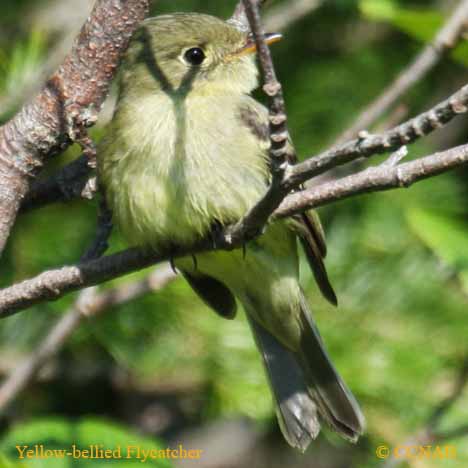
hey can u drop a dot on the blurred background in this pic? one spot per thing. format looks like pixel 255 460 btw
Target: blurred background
pixel 161 369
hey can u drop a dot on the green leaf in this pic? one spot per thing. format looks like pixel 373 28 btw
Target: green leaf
pixel 446 236
pixel 420 24
pixel 7 463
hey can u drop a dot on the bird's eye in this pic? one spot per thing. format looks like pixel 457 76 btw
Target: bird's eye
pixel 195 56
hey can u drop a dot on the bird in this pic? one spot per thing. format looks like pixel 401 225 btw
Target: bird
pixel 186 153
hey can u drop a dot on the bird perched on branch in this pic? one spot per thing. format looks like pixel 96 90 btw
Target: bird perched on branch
pixel 187 150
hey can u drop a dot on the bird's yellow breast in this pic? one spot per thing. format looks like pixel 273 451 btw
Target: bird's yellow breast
pixel 179 165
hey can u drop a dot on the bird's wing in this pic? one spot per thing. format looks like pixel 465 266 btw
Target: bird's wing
pixel 306 225
pixel 214 293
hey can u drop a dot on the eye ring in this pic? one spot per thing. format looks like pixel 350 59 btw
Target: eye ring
pixel 194 56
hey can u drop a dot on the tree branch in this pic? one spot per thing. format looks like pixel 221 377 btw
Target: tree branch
pixel 89 303
pixel 445 40
pixel 68 103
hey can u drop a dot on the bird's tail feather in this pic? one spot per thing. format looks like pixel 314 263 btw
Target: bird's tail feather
pixel 336 404
pixel 295 409
pixel 306 385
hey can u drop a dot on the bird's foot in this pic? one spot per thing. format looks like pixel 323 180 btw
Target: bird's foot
pixel 216 234
pixel 172 264
pixel 195 262
pixel 172 257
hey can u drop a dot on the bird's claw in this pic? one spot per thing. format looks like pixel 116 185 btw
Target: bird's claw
pixel 215 233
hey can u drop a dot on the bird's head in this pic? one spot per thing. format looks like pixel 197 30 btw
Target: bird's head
pixel 188 51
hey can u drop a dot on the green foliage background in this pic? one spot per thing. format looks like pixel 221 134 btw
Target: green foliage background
pixel 399 260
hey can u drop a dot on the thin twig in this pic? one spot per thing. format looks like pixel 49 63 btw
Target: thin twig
pixel 90 303
pixel 445 40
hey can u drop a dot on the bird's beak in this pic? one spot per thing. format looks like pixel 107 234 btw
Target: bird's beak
pixel 250 46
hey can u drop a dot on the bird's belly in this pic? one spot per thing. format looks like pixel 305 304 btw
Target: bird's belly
pixel 178 205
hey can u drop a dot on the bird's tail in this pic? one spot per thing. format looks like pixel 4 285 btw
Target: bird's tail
pixel 307 387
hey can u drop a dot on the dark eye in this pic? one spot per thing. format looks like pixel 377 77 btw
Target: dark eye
pixel 195 56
